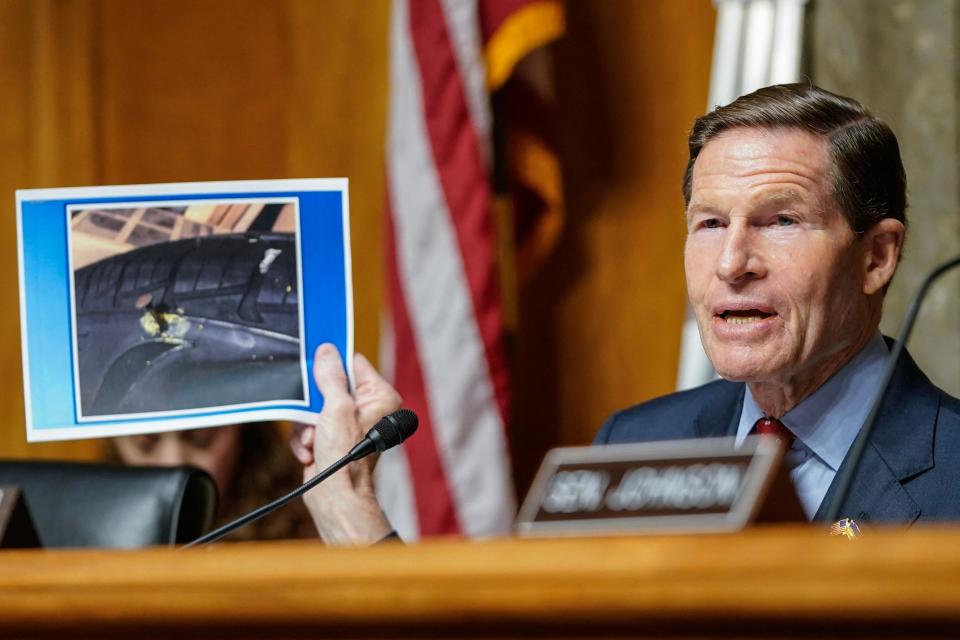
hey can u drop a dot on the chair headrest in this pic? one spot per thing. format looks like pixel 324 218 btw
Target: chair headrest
pixel 97 505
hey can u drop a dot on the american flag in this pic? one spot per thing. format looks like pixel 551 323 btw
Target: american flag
pixel 442 342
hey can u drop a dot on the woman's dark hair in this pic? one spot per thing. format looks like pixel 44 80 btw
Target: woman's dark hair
pixel 266 469
pixel 867 174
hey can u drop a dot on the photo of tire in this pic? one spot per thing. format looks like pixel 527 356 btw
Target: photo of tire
pixel 186 324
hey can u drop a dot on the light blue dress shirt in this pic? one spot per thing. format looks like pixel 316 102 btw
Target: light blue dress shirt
pixel 825 423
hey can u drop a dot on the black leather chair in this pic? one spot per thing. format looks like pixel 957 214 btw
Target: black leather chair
pixel 97 505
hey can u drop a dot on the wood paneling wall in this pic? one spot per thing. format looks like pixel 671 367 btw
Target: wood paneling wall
pixel 114 92
pixel 47 138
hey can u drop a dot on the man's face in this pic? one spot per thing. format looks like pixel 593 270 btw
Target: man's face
pixel 774 271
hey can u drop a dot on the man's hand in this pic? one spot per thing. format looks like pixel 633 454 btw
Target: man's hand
pixel 344 507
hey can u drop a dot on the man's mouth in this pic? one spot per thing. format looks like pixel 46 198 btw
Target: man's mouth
pixel 743 316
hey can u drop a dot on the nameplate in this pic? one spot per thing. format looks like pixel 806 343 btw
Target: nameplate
pixel 16 526
pixel 707 485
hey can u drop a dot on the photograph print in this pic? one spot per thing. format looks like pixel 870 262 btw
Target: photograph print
pixel 184 305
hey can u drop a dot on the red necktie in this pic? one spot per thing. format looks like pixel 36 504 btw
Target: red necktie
pixel 773 427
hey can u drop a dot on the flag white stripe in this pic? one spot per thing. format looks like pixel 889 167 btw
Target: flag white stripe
pixel 464 29
pixel 467 426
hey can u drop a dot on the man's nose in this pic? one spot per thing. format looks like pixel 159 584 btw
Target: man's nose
pixel 738 260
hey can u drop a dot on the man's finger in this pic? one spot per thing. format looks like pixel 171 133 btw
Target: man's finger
pixel 365 371
pixel 331 381
pixel 301 442
pixel 328 370
pixel 375 396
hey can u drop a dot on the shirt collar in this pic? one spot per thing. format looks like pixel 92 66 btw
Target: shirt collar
pixel 828 420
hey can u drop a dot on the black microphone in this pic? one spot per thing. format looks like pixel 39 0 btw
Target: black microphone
pixel 860 443
pixel 389 431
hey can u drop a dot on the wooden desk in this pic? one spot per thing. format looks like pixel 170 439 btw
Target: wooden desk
pixel 766 582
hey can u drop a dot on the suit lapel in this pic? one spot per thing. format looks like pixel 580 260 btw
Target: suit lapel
pixel 900 447
pixel 720 417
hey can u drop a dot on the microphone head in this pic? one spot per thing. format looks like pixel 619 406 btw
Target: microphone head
pixel 393 429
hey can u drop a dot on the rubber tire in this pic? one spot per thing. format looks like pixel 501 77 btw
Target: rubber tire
pixel 233 335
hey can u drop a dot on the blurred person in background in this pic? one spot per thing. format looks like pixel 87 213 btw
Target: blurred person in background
pixel 251 465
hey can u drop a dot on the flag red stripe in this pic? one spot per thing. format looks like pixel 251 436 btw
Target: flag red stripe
pixel 463 176
pixel 434 502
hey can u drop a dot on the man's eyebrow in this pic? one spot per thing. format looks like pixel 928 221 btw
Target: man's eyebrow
pixel 776 199
pixel 702 206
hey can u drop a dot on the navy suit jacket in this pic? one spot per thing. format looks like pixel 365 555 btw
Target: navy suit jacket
pixel 911 465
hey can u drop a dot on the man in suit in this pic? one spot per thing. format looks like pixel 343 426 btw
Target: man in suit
pixel 795 211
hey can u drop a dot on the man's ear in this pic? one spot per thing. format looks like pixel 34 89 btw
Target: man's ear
pixel 881 244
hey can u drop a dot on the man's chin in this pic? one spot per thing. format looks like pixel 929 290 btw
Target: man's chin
pixel 744 371
pixel 743 361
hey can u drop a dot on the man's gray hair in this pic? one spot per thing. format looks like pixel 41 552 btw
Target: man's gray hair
pixel 867 174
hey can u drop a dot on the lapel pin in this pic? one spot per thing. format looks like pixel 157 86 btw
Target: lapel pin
pixel 845 527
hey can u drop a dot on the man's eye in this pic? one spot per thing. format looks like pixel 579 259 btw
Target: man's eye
pixel 785 221
pixel 710 223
